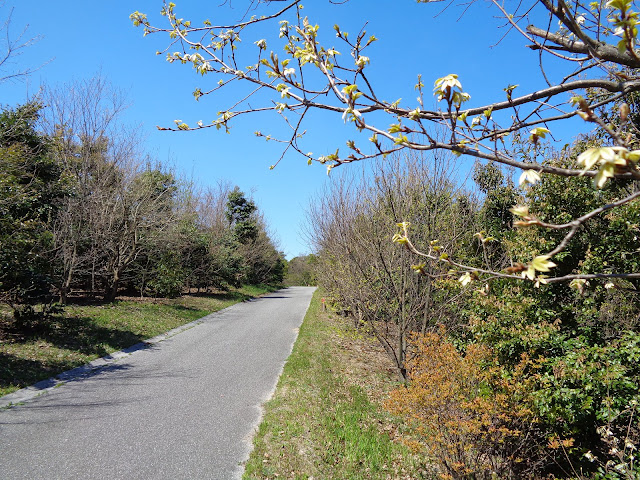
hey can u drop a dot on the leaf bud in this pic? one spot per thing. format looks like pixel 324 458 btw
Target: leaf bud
pixel 624 112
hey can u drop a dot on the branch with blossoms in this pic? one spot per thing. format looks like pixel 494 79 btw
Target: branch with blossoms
pixel 304 75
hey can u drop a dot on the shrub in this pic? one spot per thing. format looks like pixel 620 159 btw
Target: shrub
pixel 168 277
pixel 464 412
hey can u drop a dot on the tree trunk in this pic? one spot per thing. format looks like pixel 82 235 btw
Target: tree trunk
pixel 66 285
pixel 112 290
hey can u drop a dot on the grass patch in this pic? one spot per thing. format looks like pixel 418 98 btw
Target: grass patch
pixel 86 332
pixel 325 420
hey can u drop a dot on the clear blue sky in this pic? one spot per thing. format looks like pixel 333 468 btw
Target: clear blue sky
pixel 80 39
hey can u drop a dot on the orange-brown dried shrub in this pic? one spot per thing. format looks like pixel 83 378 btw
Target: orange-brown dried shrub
pixel 463 410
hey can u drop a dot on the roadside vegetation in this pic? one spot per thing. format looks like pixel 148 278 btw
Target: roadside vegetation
pixel 325 419
pixel 503 379
pixel 82 333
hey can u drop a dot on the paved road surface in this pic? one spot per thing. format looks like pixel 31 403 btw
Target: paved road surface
pixel 184 408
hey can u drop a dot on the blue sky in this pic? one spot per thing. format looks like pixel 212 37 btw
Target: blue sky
pixel 80 39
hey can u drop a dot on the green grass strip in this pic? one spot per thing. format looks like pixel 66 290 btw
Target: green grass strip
pixel 321 423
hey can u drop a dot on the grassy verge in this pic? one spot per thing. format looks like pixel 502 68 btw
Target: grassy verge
pixel 325 420
pixel 84 333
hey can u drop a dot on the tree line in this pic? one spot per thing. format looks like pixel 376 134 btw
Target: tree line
pixel 301 271
pixel 514 379
pixel 85 212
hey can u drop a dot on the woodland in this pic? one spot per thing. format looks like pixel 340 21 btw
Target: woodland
pixel 86 215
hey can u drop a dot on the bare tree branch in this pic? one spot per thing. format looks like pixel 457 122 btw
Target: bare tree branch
pixel 603 63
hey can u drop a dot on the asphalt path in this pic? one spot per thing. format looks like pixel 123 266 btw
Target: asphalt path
pixel 184 408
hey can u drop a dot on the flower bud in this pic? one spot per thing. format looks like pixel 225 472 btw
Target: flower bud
pixel 624 112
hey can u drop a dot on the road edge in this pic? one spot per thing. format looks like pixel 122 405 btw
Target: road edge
pixel 43 386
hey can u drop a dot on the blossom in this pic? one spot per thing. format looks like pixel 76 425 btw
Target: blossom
pixel 465 279
pixel 520 210
pixel 530 177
